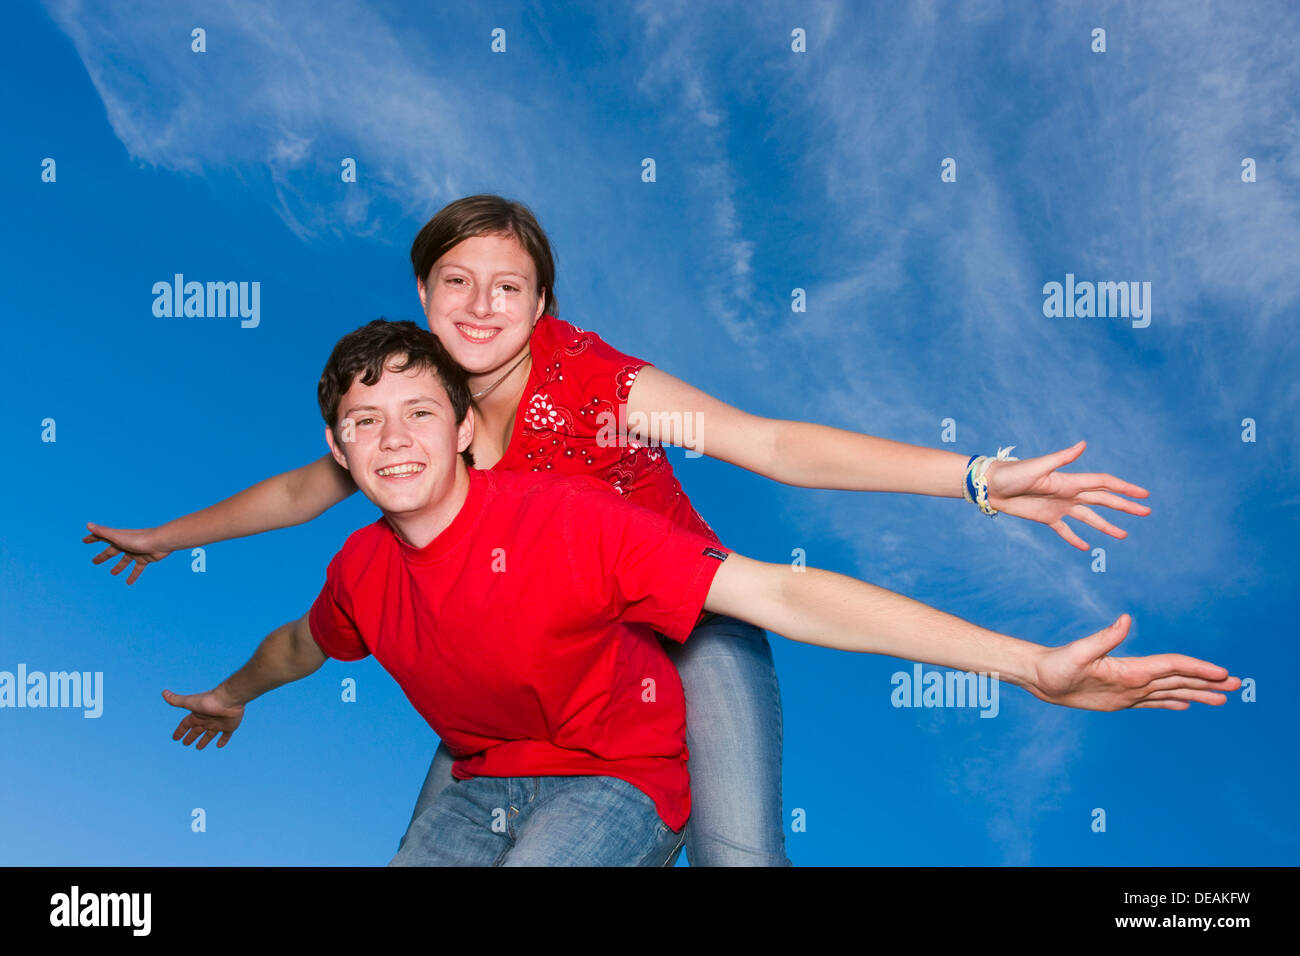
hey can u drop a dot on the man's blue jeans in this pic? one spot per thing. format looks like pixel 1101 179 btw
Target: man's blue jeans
pixel 733 732
pixel 540 821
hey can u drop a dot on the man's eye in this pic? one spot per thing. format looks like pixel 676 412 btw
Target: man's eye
pixel 421 411
pixel 456 279
pixel 362 421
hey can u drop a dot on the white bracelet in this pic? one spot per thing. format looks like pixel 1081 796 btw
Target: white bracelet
pixel 976 487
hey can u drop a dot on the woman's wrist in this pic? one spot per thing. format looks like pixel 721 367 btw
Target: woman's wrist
pixel 994 498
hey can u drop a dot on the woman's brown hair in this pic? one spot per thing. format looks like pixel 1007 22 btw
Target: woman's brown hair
pixel 486 215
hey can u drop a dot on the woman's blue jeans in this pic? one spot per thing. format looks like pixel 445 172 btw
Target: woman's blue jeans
pixel 733 732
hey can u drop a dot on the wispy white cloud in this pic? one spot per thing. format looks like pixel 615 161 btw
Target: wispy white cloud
pixel 295 87
pixel 674 68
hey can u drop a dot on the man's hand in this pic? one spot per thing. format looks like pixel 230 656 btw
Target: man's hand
pixel 1034 489
pixel 212 714
pixel 133 544
pixel 1081 675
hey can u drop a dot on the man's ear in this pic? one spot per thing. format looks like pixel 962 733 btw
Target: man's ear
pixel 423 290
pixel 335 450
pixel 465 431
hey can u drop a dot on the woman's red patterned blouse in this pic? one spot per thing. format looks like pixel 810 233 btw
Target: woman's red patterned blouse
pixel 572 421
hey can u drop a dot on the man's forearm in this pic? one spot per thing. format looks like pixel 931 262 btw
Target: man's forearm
pixel 281 658
pixel 834 610
pixel 818 456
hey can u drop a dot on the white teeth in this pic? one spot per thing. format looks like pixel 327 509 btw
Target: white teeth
pixel 401 470
pixel 479 335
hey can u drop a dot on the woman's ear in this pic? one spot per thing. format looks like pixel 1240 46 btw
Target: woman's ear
pixel 541 305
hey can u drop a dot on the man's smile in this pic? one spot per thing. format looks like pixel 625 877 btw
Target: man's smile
pixel 405 470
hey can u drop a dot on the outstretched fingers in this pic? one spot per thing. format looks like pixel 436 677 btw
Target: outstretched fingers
pixel 1064 456
pixel 1106 499
pixel 1197 696
pixel 111 551
pixel 1104 482
pixel 181 728
pixel 1064 530
pixel 1087 515
pixel 1194 683
pixel 1158 666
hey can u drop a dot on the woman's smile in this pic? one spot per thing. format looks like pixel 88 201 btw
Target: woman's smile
pixel 476 334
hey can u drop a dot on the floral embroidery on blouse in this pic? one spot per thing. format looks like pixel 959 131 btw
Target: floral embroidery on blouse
pixel 624 380
pixel 544 416
pixel 572 423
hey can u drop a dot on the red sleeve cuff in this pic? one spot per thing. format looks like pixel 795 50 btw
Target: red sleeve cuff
pixel 703 558
pixel 325 631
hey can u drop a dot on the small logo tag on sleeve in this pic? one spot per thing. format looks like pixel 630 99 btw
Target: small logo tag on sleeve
pixel 715 553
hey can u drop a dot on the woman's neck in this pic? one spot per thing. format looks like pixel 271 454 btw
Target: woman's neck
pixel 495 410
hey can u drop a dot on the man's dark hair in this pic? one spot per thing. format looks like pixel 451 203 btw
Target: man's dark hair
pixel 397 345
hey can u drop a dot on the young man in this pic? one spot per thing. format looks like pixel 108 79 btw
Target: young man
pixel 518 612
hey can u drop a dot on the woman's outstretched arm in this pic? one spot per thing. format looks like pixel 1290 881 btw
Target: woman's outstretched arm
pixel 666 410
pixel 292 498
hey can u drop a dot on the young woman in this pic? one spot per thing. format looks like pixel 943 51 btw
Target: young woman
pixel 548 397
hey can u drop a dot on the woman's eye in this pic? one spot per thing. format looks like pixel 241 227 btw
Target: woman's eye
pixel 510 288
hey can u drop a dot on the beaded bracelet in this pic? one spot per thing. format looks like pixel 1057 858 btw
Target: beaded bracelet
pixel 976 487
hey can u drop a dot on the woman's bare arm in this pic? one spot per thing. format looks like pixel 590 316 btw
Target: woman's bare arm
pixel 666 410
pixel 292 498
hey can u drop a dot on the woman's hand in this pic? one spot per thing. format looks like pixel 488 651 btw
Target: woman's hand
pixel 211 714
pixel 136 545
pixel 1034 489
pixel 1081 675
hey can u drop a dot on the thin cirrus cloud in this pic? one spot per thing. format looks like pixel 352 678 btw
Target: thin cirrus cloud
pixel 281 87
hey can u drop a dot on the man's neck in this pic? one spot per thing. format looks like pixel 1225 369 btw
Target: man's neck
pixel 418 529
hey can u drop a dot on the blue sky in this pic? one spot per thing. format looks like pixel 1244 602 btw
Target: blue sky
pixel 775 170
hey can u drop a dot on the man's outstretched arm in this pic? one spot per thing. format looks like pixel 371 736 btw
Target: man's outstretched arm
pixel 833 610
pixel 288 654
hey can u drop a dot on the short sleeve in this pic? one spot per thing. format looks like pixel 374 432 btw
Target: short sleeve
pixel 332 626
pixel 603 370
pixel 635 565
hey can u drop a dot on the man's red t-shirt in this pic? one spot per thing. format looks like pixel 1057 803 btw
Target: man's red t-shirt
pixel 523 633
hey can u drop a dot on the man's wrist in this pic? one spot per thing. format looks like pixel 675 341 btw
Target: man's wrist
pixel 156 540
pixel 230 696
pixel 1021 664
